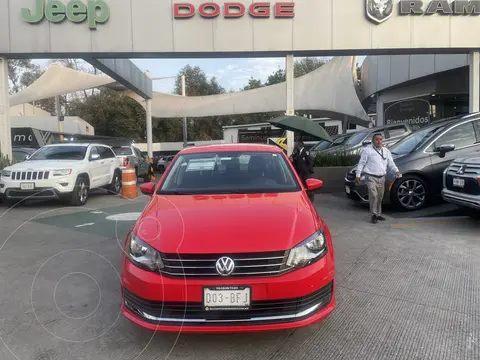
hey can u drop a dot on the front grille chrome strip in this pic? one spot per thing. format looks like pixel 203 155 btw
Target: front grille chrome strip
pixel 252 319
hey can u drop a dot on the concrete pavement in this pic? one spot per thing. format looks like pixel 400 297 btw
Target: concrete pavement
pixel 406 289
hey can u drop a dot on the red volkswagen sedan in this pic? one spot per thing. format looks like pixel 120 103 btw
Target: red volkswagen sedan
pixel 229 242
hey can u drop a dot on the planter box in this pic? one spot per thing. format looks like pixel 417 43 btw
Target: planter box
pixel 332 177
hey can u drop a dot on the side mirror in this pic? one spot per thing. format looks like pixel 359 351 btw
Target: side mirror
pixel 366 142
pixel 147 188
pixel 94 157
pixel 444 148
pixel 314 184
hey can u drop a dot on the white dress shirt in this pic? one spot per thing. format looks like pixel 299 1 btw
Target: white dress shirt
pixel 375 162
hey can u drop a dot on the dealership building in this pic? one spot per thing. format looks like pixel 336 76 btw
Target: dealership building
pixel 401 79
pixel 415 89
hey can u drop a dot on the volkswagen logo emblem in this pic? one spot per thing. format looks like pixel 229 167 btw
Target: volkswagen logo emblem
pixel 225 266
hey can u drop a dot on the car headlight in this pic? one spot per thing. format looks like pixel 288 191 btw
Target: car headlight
pixel 6 173
pixel 142 254
pixel 308 251
pixel 62 172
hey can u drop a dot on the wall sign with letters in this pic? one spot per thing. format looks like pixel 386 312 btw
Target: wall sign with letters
pixel 414 112
pixel 379 11
pixel 94 12
pixel 233 10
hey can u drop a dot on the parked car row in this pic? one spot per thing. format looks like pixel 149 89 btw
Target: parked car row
pixel 426 160
pixel 68 171
pixel 355 142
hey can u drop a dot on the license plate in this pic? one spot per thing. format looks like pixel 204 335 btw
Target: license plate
pixel 27 186
pixel 458 182
pixel 347 189
pixel 227 298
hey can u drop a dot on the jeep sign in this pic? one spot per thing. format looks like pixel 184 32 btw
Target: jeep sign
pixel 55 11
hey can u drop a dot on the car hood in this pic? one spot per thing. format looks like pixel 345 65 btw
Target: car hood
pixel 473 159
pixel 42 165
pixel 227 223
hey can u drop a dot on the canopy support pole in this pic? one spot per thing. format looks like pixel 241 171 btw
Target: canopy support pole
pixel 5 126
pixel 474 75
pixel 289 62
pixel 148 110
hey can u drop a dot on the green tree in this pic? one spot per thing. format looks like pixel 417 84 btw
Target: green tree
pixel 253 84
pixel 112 114
pixel 198 84
pixel 306 65
pixel 277 77
pixel 301 67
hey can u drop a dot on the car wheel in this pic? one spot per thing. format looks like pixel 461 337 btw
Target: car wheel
pixel 80 192
pixel 13 202
pixel 409 193
pixel 116 184
pixel 473 214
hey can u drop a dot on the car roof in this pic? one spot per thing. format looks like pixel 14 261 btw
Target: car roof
pixel 231 147
pixel 76 144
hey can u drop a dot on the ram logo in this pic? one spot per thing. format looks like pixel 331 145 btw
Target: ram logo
pixel 379 11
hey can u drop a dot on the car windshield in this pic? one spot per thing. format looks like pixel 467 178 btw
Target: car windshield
pixel 340 140
pixel 122 150
pixel 415 140
pixel 356 138
pixel 322 145
pixel 60 153
pixel 236 172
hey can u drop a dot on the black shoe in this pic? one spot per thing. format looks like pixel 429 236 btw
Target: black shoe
pixel 374 219
pixel 380 218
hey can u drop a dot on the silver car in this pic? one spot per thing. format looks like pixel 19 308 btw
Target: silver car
pixel 135 158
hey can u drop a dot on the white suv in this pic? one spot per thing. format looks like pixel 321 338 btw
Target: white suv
pixel 62 171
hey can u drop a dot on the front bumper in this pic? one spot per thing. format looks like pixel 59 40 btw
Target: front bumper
pixel 299 298
pixel 359 192
pixel 42 190
pixel 461 199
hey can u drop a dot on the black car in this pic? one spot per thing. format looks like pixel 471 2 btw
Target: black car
pixel 461 184
pixel 324 144
pixel 355 143
pixel 20 154
pixel 422 157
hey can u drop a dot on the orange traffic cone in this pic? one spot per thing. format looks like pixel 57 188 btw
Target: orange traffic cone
pixel 129 182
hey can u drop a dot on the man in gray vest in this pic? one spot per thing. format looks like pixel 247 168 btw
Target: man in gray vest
pixel 374 163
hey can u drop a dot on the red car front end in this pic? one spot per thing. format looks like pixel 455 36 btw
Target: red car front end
pixel 228 262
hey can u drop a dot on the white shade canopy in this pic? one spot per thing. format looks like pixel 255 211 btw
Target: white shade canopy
pixel 329 91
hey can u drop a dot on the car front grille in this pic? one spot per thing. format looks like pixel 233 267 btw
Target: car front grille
pixel 29 175
pixel 184 312
pixel 471 174
pixel 246 264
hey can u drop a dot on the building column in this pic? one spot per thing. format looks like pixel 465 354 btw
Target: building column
pixel 474 81
pixel 5 128
pixel 290 99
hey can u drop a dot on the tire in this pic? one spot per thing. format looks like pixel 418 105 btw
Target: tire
pixel 13 202
pixel 79 195
pixel 116 184
pixel 409 193
pixel 473 214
